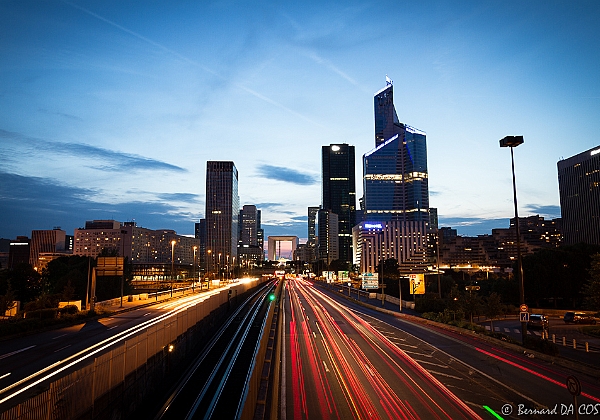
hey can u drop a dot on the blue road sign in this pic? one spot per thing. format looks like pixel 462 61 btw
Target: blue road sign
pixel 524 316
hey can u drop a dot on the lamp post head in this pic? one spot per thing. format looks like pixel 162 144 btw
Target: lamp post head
pixel 511 141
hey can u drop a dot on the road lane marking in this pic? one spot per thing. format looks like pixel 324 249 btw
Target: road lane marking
pixel 5 375
pixel 418 354
pixel 59 336
pixel 510 388
pixel 444 374
pixel 146 314
pixel 407 345
pixel 112 327
pixel 325 364
pixel 506 330
pixel 434 364
pixel 4 356
pixel 62 348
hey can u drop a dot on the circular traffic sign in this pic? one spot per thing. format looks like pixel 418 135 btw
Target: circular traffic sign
pixel 524 308
pixel 573 386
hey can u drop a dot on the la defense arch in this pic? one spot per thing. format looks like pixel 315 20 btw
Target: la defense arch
pixel 274 240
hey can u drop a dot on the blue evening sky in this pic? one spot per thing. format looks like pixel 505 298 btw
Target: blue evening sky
pixel 110 109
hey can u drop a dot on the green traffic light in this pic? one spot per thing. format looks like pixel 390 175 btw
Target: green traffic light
pixel 272 296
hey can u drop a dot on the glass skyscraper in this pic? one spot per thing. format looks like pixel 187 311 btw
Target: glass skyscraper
pixel 579 188
pixel 395 180
pixel 222 211
pixel 339 192
pixel 395 204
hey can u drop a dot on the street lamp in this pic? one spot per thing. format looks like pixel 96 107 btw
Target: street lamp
pixel 172 263
pixel 219 267
pixel 514 141
pixel 212 264
pixel 194 269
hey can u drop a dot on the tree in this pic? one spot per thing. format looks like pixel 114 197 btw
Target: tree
pixel 26 282
pixel 492 308
pixel 591 290
pixel 68 274
pixel 470 303
pixel 7 300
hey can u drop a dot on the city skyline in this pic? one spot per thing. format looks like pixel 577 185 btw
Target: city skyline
pixel 109 113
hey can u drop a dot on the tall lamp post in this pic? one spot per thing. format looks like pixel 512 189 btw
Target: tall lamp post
pixel 212 263
pixel 514 141
pixel 219 268
pixel 194 269
pixel 172 263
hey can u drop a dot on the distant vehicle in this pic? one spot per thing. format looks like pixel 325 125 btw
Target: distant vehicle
pixel 537 321
pixel 578 318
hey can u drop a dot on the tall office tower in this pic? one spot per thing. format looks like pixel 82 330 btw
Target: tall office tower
pixel 395 180
pixel 339 192
pixel 312 223
pixel 260 234
pixel 200 234
pixel 386 120
pixel 222 211
pixel 328 224
pixel 45 241
pixel 250 225
pixel 579 188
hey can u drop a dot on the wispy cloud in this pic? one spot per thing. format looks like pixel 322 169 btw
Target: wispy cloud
pixel 473 226
pixel 110 160
pixel 550 211
pixel 181 197
pixel 193 62
pixel 60 114
pixel 280 173
pixel 28 203
pixel 331 67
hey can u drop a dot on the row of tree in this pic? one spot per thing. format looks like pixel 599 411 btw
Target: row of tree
pixel 64 279
pixel 565 277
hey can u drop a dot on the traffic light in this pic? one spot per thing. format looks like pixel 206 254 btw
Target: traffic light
pixel 271 296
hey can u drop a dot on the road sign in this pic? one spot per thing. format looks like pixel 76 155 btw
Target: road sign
pixel 370 280
pixel 573 386
pixel 524 308
pixel 109 266
pixel 524 316
pixel 417 284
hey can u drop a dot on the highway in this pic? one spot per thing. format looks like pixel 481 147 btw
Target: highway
pixel 339 366
pixel 346 361
pixel 29 363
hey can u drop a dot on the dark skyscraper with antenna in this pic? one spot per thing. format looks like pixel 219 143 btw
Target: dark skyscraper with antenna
pixel 339 192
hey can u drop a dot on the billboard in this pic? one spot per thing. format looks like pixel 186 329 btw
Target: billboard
pixel 370 280
pixel 342 275
pixel 417 284
pixel 329 276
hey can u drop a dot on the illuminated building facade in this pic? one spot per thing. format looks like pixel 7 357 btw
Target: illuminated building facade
pixel 378 241
pixel 46 241
pixel 222 213
pixel 579 188
pixel 339 192
pixel 328 248
pixel 395 180
pixel 396 187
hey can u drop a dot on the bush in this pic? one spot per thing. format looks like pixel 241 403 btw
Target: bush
pixel 543 346
pixel 68 310
pixel 429 303
pixel 48 313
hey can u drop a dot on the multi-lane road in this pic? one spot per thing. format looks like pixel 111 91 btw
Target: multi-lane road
pixel 29 363
pixel 347 361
